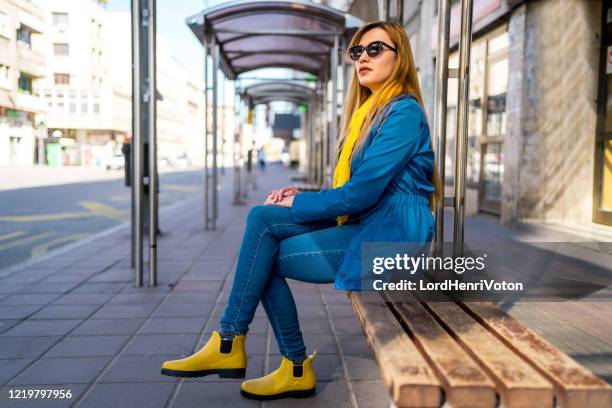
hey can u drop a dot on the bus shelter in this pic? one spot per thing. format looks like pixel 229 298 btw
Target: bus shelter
pixel 263 93
pixel 242 36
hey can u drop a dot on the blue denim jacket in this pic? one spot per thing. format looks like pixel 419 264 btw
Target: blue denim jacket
pixel 387 193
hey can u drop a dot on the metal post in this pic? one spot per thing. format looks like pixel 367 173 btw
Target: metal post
pixel 310 135
pixel 235 160
pixel 462 125
pixel 137 143
pixel 215 70
pixel 153 213
pixel 334 107
pixel 441 92
pixel 206 172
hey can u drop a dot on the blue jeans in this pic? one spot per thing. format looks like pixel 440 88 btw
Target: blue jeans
pixel 274 247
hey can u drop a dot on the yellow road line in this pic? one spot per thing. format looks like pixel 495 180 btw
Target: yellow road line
pixel 44 247
pixel 105 210
pixel 45 217
pixel 95 209
pixel 12 235
pixel 25 240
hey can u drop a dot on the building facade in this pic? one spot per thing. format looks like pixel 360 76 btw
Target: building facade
pixel 539 140
pixel 22 65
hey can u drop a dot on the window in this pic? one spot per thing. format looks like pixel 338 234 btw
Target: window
pixel 61 49
pixel 5 76
pixel 60 19
pixel 25 83
pixel 84 108
pixel 5 25
pixel 487 116
pixel 24 36
pixel 62 79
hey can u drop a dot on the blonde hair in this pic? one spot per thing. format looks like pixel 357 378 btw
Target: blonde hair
pixel 404 73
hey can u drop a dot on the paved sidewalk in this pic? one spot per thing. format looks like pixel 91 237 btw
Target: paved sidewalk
pixel 75 322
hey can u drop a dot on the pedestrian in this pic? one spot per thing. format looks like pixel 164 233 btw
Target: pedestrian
pixel 261 158
pixel 384 189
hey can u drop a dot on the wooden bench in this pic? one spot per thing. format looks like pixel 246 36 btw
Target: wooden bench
pixel 469 354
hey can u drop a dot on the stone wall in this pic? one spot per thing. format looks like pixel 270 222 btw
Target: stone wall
pixel 549 152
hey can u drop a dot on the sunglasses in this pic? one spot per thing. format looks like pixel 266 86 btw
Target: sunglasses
pixel 373 49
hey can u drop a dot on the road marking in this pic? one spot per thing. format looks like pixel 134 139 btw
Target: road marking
pixel 105 210
pixel 25 240
pixel 44 247
pixel 45 217
pixel 181 188
pixel 12 235
pixel 95 209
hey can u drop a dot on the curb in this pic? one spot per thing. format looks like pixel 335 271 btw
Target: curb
pixel 75 245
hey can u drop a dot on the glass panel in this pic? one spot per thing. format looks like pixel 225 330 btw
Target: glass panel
pixel 497 86
pixel 477 89
pixel 606 177
pixel 499 43
pixel 493 171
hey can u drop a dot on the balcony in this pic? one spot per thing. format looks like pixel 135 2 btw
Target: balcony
pixel 28 102
pixel 31 61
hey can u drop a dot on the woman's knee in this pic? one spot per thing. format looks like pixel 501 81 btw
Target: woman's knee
pixel 266 213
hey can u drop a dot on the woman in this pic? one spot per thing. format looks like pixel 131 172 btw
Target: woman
pixel 384 189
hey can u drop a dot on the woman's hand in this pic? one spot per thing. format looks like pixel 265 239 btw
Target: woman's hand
pixel 279 194
pixel 287 201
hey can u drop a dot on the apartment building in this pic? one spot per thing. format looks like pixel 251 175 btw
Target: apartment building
pixel 88 117
pixel 22 65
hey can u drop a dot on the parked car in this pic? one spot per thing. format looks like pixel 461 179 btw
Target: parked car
pixel 116 162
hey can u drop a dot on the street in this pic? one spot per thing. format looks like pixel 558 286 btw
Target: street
pixel 36 220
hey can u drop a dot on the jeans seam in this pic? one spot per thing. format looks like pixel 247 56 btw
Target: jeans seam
pixel 281 337
pixel 312 253
pixel 250 270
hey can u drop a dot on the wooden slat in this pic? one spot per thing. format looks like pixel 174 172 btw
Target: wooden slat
pixel 518 384
pixel 575 385
pixel 465 383
pixel 405 373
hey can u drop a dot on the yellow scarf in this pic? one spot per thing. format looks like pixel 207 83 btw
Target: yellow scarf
pixel 342 172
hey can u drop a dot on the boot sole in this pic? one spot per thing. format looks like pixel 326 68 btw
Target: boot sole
pixel 292 394
pixel 222 372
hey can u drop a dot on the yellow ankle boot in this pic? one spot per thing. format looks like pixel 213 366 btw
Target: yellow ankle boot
pixel 289 380
pixel 224 357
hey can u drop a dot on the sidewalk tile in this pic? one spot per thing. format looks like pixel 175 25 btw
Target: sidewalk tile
pixel 328 393
pixel 218 394
pixel 25 347
pixel 109 311
pixel 10 368
pixel 65 312
pixel 137 369
pixel 183 310
pixel 127 395
pixel 87 346
pixel 169 325
pixel 371 394
pixel 43 327
pixel 80 370
pixel 83 299
pixel 152 344
pixel 29 299
pixel 108 327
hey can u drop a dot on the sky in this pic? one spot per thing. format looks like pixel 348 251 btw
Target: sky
pixel 171 15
